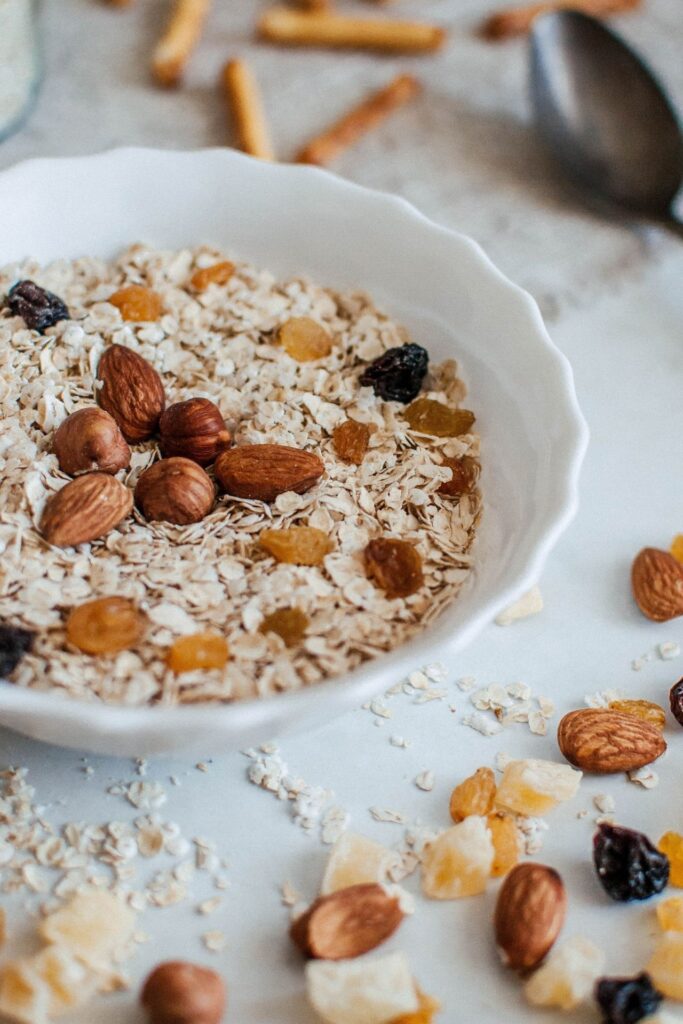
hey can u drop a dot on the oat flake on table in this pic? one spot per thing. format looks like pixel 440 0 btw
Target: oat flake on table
pixel 212 575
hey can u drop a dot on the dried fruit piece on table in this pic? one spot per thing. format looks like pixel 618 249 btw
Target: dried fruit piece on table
pixel 645 709
pixel 465 473
pixel 198 651
pixel 177 992
pixel 568 976
pixel 530 911
pixel 671 844
pixel 533 787
pixel 666 966
pixel 427 416
pixel 602 740
pixel 132 392
pixel 670 914
pixel 85 509
pixel 217 273
pixel 137 304
pixel 195 430
pixel 426 1013
pixel 289 623
pixel 506 843
pixel 376 989
pixel 39 308
pixel 175 491
pixel 397 375
pixel 260 472
pixel 304 340
pixel 354 859
pixel 36 988
pixel 347 923
pixel 15 642
pixel 626 1000
pixel 628 865
pixel 88 440
pixel 106 625
pixel 676 701
pixel 676 548
pixel 395 566
pixel 657 583
pixel 351 439
pixel 458 862
pixel 94 926
pixel 475 795
pixel 296 545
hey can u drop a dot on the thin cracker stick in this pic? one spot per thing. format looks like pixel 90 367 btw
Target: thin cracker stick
pixel 516 21
pixel 295 28
pixel 244 98
pixel 344 132
pixel 182 34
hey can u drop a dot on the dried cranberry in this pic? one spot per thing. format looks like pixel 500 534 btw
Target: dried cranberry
pixel 628 865
pixel 14 644
pixel 397 375
pixel 676 701
pixel 626 1000
pixel 39 308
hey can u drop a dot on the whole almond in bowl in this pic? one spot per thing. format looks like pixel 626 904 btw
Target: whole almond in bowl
pixel 195 430
pixel 602 740
pixel 657 583
pixel 262 471
pixel 85 509
pixel 131 391
pixel 175 491
pixel 530 912
pixel 90 440
pixel 347 923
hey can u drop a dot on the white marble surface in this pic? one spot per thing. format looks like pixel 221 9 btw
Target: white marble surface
pixel 466 156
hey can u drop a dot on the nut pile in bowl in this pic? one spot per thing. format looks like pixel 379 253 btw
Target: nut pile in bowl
pixel 217 485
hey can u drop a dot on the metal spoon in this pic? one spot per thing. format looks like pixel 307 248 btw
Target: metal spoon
pixel 605 116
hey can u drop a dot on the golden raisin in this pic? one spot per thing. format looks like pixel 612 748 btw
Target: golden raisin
pixel 217 273
pixel 427 416
pixel 425 1013
pixel 289 623
pixel 137 303
pixel 474 796
pixel 670 914
pixel 644 709
pixel 197 651
pixel 297 545
pixel 464 476
pixel 677 547
pixel 304 339
pixel 671 844
pixel 395 566
pixel 351 440
pixel 505 836
pixel 105 626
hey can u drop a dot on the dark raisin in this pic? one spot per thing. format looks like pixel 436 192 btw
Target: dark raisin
pixel 398 374
pixel 676 701
pixel 628 865
pixel 39 308
pixel 626 1000
pixel 14 644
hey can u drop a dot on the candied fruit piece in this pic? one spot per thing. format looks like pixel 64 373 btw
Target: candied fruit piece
pixel 506 843
pixel 198 651
pixel 397 375
pixel 39 308
pixel 628 865
pixel 93 926
pixel 426 1013
pixel 366 989
pixel 568 976
pixel 670 914
pixel 296 545
pixel 355 860
pixel 426 416
pixel 671 844
pixel 676 701
pixel 626 1000
pixel 534 787
pixel 458 862
pixel 105 626
pixel 304 340
pixel 137 303
pixel 474 796
pixel 645 709
pixel 666 966
pixel 395 566
pixel 217 273
pixel 289 623
pixel 351 440
pixel 677 547
pixel 465 474
pixel 15 642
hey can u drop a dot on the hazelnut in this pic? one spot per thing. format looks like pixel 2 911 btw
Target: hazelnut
pixel 194 429
pixel 176 491
pixel 180 993
pixel 90 440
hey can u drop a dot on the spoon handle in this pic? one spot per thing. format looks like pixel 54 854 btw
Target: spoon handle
pixel 673 224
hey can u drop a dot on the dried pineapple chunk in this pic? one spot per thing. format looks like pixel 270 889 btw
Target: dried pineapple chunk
pixel 363 991
pixel 534 787
pixel 459 861
pixel 93 926
pixel 37 988
pixel 567 977
pixel 666 966
pixel 355 859
pixel 670 914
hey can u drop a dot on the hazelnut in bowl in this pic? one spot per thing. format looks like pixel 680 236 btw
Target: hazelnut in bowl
pixel 292 465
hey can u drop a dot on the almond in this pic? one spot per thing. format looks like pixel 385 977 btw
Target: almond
pixel 603 740
pixel 530 912
pixel 87 508
pixel 262 471
pixel 131 392
pixel 657 582
pixel 347 923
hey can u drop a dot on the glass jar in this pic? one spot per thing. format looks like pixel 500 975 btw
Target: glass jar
pixel 19 61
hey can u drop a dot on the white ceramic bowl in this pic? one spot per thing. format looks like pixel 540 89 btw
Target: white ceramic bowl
pixel 439 283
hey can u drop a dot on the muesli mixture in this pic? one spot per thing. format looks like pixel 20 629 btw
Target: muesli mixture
pixel 261 405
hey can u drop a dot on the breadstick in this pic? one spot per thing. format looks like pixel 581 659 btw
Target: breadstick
pixel 179 40
pixel 516 21
pixel 344 132
pixel 244 99
pixel 295 28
